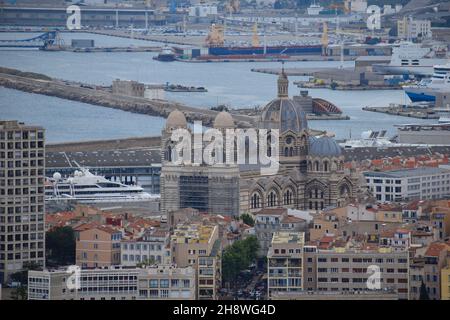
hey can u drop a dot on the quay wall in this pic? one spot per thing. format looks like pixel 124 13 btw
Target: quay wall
pixel 96 96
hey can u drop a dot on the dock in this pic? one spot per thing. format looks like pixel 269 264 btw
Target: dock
pixel 405 111
pixel 95 95
pixel 103 49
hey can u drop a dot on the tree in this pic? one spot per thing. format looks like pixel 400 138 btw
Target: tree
pixel 423 292
pixel 60 245
pixel 248 219
pixel 21 292
pixel 238 257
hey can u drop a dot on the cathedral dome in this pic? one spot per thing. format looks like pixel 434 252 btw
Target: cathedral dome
pixel 324 147
pixel 223 120
pixel 283 113
pixel 176 119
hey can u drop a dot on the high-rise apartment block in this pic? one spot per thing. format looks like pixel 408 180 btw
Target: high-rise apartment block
pixel 22 225
pixel 198 245
pixel 285 262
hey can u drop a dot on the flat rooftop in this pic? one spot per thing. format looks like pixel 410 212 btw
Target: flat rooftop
pixel 288 237
pixel 407 172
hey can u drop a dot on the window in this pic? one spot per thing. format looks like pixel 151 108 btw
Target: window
pixel 153 283
pixel 164 283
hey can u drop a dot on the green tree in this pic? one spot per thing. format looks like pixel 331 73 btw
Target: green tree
pixel 21 292
pixel 238 257
pixel 423 292
pixel 248 219
pixel 60 245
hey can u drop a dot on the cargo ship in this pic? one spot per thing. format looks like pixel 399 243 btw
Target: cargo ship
pixel 266 50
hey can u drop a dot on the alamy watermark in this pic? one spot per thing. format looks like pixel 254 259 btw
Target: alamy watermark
pixel 73 21
pixel 73 282
pixel 373 22
pixel 214 147
pixel 374 280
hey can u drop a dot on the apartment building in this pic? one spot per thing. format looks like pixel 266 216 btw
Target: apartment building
pixel 445 282
pixel 268 221
pixel 409 184
pixel 98 246
pixel 435 259
pixel 22 220
pixel 409 28
pixel 426 267
pixel 343 269
pixel 152 247
pixel 285 262
pixel 198 245
pixel 440 220
pixel 114 283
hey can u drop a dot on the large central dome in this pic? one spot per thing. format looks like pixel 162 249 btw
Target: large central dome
pixel 283 113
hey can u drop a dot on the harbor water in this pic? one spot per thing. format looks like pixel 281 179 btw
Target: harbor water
pixel 231 83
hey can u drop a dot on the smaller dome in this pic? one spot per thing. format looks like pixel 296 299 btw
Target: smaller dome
pixel 324 147
pixel 223 120
pixel 176 119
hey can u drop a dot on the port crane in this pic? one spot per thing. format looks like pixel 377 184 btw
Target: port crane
pixel 41 41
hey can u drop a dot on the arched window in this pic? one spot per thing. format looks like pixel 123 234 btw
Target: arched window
pixel 255 201
pixel 286 151
pixel 288 197
pixel 169 153
pixel 325 166
pixel 309 166
pixel 291 151
pixel 316 165
pixel 272 199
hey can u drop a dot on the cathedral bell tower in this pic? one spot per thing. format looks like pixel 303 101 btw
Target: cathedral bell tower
pixel 283 84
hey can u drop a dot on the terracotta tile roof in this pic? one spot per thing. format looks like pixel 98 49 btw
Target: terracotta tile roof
pixel 435 248
pixel 272 211
pixel 292 219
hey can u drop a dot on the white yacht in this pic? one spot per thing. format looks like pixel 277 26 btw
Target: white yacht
pixel 427 89
pixel 369 139
pixel 413 58
pixel 85 187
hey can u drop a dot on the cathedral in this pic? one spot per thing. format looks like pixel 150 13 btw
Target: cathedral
pixel 311 173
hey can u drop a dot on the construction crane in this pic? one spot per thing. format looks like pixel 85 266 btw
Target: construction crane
pixel 324 38
pixel 336 6
pixel 215 36
pixel 255 37
pixel 234 6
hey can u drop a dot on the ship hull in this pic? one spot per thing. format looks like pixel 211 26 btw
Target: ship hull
pixel 269 50
pixel 165 57
pixel 420 94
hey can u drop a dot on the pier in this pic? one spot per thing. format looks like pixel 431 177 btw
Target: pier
pixel 405 111
pixel 95 95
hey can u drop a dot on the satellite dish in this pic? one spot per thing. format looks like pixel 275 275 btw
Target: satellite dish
pixel 57 176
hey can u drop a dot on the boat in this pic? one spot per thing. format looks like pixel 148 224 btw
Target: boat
pixel 427 89
pixel 369 139
pixel 314 9
pixel 166 55
pixel 85 187
pixel 254 51
pixel 180 88
pixel 412 59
